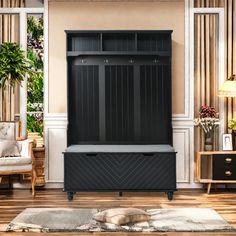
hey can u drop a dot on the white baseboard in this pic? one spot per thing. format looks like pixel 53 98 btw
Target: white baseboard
pixel 54 186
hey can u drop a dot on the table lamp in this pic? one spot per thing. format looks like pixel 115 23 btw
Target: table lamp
pixel 228 88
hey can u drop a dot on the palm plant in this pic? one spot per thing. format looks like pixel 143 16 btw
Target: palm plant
pixel 14 66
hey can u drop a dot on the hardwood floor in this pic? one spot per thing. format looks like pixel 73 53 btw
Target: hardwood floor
pixel 12 203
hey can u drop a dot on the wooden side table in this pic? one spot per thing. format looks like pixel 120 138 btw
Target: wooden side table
pixel 39 159
pixel 216 167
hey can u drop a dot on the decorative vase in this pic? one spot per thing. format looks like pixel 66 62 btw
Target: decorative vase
pixel 208 142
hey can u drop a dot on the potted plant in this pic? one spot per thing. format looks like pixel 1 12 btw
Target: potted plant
pixel 232 126
pixel 14 67
pixel 208 120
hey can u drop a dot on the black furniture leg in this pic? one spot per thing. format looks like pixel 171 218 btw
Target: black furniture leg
pixel 170 195
pixel 70 195
pixel 9 182
pixel 120 194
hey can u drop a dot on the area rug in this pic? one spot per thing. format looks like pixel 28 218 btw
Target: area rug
pixel 81 219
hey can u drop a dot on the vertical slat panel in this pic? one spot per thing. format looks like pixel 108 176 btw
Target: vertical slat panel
pixel 119 82
pixel 84 101
pixel 137 102
pixel 102 110
pixel 154 92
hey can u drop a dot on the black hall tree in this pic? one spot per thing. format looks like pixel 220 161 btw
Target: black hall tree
pixel 119 112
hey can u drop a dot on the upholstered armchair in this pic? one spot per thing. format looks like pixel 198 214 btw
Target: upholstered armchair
pixel 16 156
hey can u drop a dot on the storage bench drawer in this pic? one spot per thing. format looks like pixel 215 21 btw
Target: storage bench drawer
pixel 119 171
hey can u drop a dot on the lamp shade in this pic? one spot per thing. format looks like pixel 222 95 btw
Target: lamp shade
pixel 228 88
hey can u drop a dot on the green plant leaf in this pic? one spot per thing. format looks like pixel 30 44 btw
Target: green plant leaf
pixel 232 124
pixel 14 66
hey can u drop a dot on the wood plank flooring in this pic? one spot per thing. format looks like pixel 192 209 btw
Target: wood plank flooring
pixel 12 203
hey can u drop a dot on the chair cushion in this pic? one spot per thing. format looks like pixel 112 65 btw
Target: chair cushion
pixel 11 161
pixel 9 148
pixel 121 216
pixel 16 168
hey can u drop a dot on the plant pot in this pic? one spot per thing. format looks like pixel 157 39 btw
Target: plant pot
pixel 38 140
pixel 8 106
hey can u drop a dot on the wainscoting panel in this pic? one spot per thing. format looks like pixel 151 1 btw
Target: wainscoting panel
pixel 57 146
pixel 55 139
pixel 181 145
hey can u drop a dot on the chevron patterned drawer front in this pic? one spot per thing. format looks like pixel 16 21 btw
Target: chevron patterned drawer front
pixel 120 172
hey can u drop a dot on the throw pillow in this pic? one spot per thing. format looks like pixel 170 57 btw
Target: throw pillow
pixel 9 148
pixel 121 216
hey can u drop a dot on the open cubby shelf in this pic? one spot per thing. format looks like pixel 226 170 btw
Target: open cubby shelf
pixel 119 42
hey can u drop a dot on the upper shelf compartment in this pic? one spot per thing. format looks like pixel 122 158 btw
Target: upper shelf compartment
pixel 83 42
pixel 119 42
pixel 156 42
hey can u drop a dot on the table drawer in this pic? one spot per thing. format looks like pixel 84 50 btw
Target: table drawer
pixel 224 167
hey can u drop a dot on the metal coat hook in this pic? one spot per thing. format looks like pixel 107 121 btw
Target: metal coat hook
pixel 156 60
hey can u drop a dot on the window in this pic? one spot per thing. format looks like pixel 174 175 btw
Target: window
pixel 13 19
pixel 35 53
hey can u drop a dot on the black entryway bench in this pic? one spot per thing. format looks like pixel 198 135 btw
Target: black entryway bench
pixel 119 134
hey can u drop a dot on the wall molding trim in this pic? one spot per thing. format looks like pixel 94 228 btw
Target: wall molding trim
pixel 182 147
pixel 55 142
pixel 55 127
pixel 55 120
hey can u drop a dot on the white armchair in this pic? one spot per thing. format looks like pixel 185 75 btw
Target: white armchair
pixel 22 164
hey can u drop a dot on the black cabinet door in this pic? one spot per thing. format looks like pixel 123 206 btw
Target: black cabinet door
pixel 224 167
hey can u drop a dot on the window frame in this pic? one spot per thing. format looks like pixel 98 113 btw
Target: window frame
pixel 23 13
pixel 220 61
